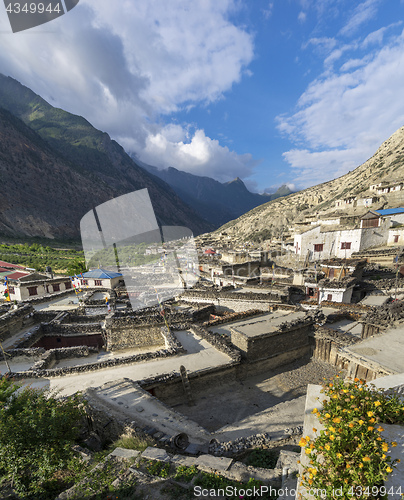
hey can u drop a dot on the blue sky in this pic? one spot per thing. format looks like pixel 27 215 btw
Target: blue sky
pixel 280 91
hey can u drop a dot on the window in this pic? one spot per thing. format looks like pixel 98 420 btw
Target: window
pixel 11 290
pixel 56 287
pixel 84 282
pixel 318 247
pixel 329 297
pixel 68 285
pixel 346 245
pixel 396 238
pixel 370 223
pixel 97 283
pixel 32 290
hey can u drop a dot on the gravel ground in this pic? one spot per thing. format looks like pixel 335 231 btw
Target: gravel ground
pixel 273 393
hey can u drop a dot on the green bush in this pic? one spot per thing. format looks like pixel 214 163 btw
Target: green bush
pixel 37 431
pixel 263 458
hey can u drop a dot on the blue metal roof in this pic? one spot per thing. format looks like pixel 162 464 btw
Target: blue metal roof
pixel 100 274
pixel 390 211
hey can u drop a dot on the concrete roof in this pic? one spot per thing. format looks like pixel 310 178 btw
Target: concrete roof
pixel 267 323
pixel 375 300
pixel 387 350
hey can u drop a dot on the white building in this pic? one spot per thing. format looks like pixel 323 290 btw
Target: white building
pixel 322 242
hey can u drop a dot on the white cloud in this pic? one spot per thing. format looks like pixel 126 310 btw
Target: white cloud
pixel 344 116
pixel 362 14
pixel 323 44
pixel 127 65
pixel 302 16
pixel 268 11
pixel 196 154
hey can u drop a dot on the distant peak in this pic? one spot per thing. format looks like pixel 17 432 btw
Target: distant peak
pixel 237 180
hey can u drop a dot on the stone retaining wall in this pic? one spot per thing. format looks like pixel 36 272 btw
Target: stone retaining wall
pixel 229 317
pixel 15 320
pixel 50 296
pixel 266 440
pixel 327 345
pixel 289 336
pixel 220 343
pixel 173 348
pixel 123 331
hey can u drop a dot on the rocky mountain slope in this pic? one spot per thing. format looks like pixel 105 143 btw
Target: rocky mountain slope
pixel 55 166
pixel 216 202
pixel 386 165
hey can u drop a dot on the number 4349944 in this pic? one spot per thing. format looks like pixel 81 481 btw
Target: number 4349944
pixel 33 8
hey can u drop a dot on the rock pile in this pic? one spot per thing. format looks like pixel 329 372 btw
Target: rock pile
pixel 242 444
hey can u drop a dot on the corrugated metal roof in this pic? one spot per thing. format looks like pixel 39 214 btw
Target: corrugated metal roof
pixel 100 274
pixel 16 276
pixel 13 266
pixel 390 211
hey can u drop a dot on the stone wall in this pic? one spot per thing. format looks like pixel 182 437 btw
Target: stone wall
pixel 328 342
pixel 229 317
pixel 220 343
pixel 173 347
pixel 235 303
pixel 379 319
pixel 15 320
pixel 123 335
pixel 266 440
pixel 123 331
pixel 293 336
pixel 49 296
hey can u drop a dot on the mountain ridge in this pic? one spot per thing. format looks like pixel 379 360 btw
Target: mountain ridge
pixel 217 202
pixel 385 165
pixel 72 143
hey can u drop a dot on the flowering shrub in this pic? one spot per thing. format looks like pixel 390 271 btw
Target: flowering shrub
pixel 349 458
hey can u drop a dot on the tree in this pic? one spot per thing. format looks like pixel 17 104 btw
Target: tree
pixel 76 266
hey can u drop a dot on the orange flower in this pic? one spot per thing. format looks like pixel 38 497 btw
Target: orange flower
pixel 370 413
pixel 370 428
pixel 327 415
pixel 385 446
pixel 380 428
pixel 350 425
pixel 393 444
pixel 336 420
pixel 366 459
pixel 377 403
pixel 389 469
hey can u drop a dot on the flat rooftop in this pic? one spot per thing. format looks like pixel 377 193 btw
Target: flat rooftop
pixel 267 323
pixel 387 350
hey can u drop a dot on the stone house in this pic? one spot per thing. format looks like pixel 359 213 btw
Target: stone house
pixel 100 278
pixel 322 242
pixel 23 286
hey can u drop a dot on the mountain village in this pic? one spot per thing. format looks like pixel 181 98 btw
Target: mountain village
pixel 210 350
pixel 231 364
